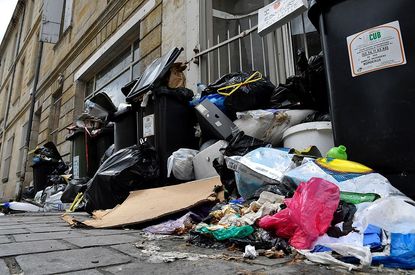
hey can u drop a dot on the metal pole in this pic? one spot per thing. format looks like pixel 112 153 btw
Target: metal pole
pixel 31 112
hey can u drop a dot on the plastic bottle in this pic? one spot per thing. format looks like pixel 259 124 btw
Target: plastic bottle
pixel 21 206
pixel 337 153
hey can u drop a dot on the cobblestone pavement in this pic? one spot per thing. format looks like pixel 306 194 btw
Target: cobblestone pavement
pixel 45 244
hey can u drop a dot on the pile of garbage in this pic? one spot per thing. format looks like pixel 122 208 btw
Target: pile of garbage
pixel 332 211
pixel 226 176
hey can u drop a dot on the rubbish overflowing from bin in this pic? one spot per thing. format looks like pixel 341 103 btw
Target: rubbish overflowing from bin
pixel 233 174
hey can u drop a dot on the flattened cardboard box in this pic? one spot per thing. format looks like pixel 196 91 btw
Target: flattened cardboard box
pixel 150 204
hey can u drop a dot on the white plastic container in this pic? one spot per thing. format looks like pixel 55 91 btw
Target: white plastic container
pixel 304 135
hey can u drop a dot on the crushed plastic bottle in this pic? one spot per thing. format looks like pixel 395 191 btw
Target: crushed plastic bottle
pixel 337 153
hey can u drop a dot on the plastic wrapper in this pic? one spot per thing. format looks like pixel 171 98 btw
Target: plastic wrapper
pixel 171 226
pixel 254 123
pixel 395 214
pixel 356 180
pixel 132 168
pixel 283 120
pixel 250 252
pixel 221 233
pixel 308 214
pixel 239 145
pixel 181 164
pixel 259 167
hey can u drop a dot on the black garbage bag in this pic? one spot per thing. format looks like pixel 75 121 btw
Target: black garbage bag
pixel 107 154
pixel 28 192
pixel 317 116
pixel 307 90
pixel 251 96
pixel 239 145
pixel 317 82
pixel 132 168
pixel 73 188
pixel 182 94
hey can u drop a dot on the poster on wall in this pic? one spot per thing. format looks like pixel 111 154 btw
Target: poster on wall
pixel 278 13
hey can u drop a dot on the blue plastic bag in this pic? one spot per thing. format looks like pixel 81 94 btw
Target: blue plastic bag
pixel 402 254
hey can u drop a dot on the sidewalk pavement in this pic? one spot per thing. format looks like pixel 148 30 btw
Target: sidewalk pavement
pixel 45 244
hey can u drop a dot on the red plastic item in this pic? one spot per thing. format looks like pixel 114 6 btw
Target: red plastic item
pixel 308 214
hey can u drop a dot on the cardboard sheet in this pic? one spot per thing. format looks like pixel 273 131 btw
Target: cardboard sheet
pixel 146 205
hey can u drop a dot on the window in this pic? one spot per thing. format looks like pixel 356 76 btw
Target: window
pixel 56 19
pixel 55 113
pixel 230 41
pixel 18 82
pixel 66 15
pixel 21 149
pixel 30 8
pixel 7 159
pixel 3 104
pixel 116 75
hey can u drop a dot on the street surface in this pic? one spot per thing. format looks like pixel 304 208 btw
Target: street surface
pixel 45 244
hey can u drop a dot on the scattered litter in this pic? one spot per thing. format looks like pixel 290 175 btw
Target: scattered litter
pixel 250 252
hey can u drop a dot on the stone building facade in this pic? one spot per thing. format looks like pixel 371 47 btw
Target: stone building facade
pixel 103 44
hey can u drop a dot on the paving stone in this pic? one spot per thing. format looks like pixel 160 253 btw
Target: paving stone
pixel 103 232
pixel 70 260
pixel 4 239
pixel 11 249
pixel 201 267
pixel 12 231
pixel 45 229
pixel 101 240
pixel 129 249
pixel 12 226
pixel 3 267
pixel 85 272
pixel 47 236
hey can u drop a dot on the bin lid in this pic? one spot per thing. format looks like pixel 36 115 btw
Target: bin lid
pixel 153 73
pixel 104 101
pixel 315 8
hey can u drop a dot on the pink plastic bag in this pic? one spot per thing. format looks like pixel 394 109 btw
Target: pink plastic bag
pixel 308 214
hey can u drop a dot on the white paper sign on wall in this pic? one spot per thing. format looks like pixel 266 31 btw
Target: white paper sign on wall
pixel 376 49
pixel 278 13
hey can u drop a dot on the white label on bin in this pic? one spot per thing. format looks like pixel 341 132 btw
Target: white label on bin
pixel 75 167
pixel 148 126
pixel 375 49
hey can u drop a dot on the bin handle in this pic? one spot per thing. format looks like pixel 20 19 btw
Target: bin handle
pixel 236 86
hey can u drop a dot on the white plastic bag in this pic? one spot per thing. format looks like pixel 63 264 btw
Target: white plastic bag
pixel 54 203
pixel 395 214
pixel 181 164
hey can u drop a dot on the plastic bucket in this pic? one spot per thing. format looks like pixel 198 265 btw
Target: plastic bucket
pixel 304 135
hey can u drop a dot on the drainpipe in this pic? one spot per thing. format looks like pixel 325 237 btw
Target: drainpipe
pixel 30 122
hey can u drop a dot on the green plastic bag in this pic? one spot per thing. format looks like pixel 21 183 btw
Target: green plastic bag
pixel 227 233
pixel 356 198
